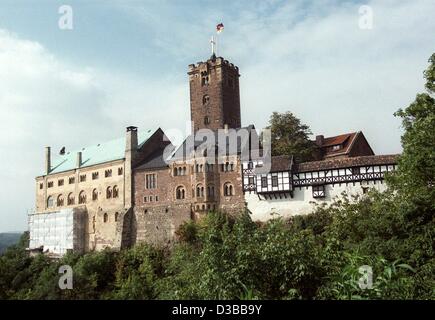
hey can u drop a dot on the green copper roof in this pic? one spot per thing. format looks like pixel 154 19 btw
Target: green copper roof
pixel 96 154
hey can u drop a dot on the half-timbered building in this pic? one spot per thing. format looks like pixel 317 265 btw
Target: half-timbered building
pixel 291 189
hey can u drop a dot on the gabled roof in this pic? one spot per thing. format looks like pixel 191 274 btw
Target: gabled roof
pixel 277 164
pixel 281 163
pixel 347 143
pixel 155 161
pixel 332 141
pixel 96 154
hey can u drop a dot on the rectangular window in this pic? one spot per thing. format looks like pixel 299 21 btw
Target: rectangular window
pixel 319 191
pixel 157 198
pixel 251 180
pixel 264 182
pixel 41 185
pixel 120 170
pixel 71 180
pixel 145 199
pixel 50 184
pixel 94 175
pixel 150 181
pixel 356 170
pixel 83 178
pixel 60 182
pixel 274 181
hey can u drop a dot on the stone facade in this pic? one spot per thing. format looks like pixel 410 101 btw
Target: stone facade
pixel 214 94
pixel 143 195
pixel 103 190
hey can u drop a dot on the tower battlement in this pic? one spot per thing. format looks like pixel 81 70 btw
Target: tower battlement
pixel 214 94
pixel 212 62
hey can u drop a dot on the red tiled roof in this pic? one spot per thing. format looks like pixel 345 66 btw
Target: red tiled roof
pixel 346 162
pixel 332 141
pixel 345 140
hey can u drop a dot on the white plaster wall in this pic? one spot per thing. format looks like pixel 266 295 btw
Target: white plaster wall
pixel 302 201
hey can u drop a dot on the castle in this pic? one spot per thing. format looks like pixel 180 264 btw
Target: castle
pixel 141 188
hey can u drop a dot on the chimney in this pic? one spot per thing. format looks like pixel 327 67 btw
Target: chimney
pixel 79 159
pixel 47 160
pixel 131 139
pixel 130 154
pixel 320 140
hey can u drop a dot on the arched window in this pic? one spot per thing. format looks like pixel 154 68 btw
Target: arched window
pixel 210 191
pixel 105 217
pixel 82 197
pixel 71 199
pixel 175 172
pixel 60 200
pixel 116 216
pixel 228 189
pixel 206 120
pixel 109 192
pixel 184 171
pixel 199 190
pixel 205 99
pixel 94 194
pixel 50 202
pixel 180 193
pixel 115 192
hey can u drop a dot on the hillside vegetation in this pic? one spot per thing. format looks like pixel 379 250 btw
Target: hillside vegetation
pixel 317 256
pixel 8 239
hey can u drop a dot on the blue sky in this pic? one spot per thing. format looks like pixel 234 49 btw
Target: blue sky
pixel 125 63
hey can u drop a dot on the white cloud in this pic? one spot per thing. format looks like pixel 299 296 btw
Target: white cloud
pixel 44 101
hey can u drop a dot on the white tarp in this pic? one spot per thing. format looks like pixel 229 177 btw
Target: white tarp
pixel 53 231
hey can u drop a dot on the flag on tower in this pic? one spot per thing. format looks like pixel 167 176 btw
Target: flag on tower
pixel 220 27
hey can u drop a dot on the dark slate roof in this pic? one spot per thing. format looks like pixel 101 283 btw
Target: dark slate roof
pixel 281 163
pixel 154 161
pixel 189 146
pixel 346 162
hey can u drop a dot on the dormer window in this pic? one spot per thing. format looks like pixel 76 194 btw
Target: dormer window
pixel 336 147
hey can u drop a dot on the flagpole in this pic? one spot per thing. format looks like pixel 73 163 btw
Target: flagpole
pixel 217 38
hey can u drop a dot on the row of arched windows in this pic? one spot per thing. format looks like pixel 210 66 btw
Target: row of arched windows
pixel 200 190
pixel 111 192
pixel 208 167
pixel 180 171
pixel 106 217
pixel 227 190
pixel 204 207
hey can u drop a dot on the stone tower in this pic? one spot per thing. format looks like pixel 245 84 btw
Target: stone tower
pixel 214 94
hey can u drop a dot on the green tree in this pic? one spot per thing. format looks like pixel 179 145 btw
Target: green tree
pixel 291 137
pixel 415 176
